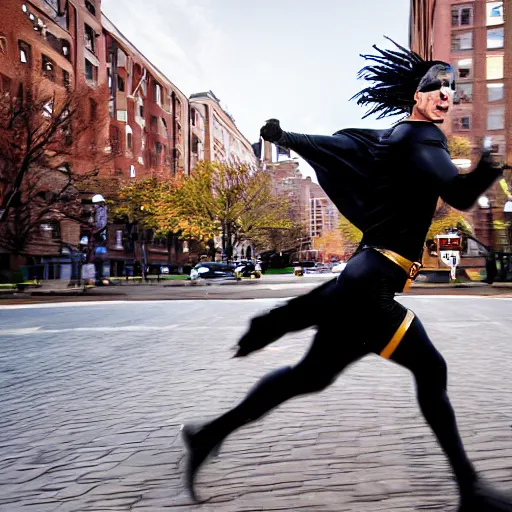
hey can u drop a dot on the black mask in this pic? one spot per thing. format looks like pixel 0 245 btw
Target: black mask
pixel 439 75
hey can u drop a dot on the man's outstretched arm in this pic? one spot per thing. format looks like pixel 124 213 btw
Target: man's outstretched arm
pixel 459 190
pixel 314 148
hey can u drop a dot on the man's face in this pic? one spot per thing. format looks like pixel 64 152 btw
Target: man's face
pixel 434 97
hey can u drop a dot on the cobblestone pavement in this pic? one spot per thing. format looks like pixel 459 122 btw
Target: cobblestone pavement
pixel 93 395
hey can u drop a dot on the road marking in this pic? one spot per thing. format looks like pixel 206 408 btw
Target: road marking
pixel 49 305
pixel 104 303
pixel 19 332
pixel 122 328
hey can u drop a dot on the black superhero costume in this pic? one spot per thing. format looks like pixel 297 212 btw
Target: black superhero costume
pixel 387 183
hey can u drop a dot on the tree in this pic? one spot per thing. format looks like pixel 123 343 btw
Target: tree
pixel 280 239
pixel 47 154
pixel 231 201
pixel 332 244
pixel 447 219
pixel 151 203
pixel 349 231
pixel 459 147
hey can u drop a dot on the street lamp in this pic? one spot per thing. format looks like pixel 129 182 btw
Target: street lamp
pixel 483 202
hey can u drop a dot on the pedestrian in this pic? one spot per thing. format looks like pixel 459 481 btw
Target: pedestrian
pixel 387 183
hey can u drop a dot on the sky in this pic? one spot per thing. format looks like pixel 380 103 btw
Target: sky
pixel 294 60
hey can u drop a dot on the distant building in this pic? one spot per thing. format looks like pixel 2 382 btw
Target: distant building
pixel 310 204
pixel 215 135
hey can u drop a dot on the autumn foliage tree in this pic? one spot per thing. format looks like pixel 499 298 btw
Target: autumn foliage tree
pixel 217 200
pixel 48 150
pixel 232 201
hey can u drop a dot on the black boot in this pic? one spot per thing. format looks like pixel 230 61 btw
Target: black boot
pixel 199 447
pixel 482 498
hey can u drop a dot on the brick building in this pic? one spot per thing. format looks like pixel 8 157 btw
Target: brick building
pixel 54 45
pixel 215 135
pixel 476 38
pixel 151 128
pixel 149 132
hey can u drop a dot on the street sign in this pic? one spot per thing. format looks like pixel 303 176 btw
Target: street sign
pixel 450 258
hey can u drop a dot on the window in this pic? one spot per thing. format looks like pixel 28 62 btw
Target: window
pixel 494 67
pixel 48 68
pixel 195 144
pixel 497 144
pixel 90 7
pixel 122 115
pixel 129 141
pixel 193 114
pixel 3 45
pixel 463 93
pixel 114 138
pixel 119 239
pixel 48 109
pixel 158 94
pixel 66 81
pixel 89 38
pixel 464 68
pixel 495 38
pixel 141 111
pixel 462 41
pixel 495 91
pixel 132 171
pixel 494 13
pixel 91 72
pixel 53 3
pixel 158 147
pixel 462 123
pixel 153 123
pixel 51 230
pixel 66 49
pixel 120 84
pixel 496 118
pixel 25 53
pixel 462 16
pixel 121 59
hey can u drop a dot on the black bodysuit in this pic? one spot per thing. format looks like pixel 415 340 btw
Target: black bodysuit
pixel 387 183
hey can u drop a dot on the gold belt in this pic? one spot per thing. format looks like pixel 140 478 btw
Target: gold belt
pixel 411 268
pixel 390 348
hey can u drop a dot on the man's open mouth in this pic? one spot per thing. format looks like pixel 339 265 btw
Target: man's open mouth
pixel 442 109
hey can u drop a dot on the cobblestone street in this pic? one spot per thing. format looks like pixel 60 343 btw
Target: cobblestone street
pixel 93 396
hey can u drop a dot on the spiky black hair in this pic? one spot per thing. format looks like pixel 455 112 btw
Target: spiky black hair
pixel 395 76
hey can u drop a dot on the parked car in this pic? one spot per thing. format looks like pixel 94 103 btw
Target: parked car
pixel 319 268
pixel 212 270
pixel 339 267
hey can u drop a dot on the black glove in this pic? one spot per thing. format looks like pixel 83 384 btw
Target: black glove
pixel 271 132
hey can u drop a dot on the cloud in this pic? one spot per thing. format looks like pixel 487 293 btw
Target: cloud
pixel 177 36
